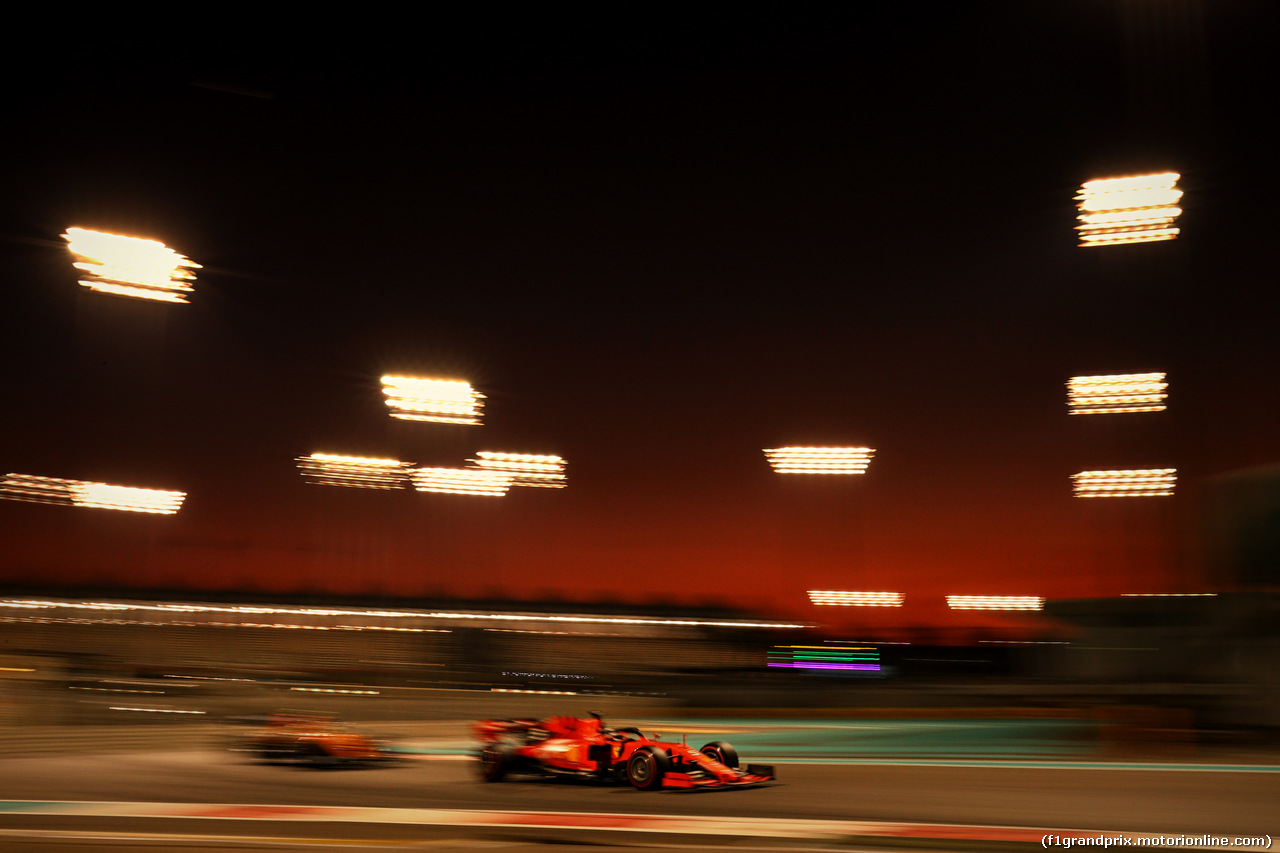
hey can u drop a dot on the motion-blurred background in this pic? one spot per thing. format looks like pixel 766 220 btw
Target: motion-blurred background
pixel 658 243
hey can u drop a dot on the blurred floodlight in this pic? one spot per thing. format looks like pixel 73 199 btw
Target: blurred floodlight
pixel 460 481
pixel 440 401
pixel 49 490
pixel 104 496
pixel 359 472
pixel 846 598
pixel 1138 209
pixel 995 602
pixel 1117 393
pixel 130 266
pixel 524 469
pixel 820 460
pixel 1135 483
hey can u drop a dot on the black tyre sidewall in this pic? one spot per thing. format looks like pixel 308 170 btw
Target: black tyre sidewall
pixel 494 761
pixel 650 757
pixel 723 752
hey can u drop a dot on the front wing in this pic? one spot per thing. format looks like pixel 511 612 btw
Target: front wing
pixel 755 774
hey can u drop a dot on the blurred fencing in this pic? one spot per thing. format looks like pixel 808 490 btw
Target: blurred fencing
pixel 1140 671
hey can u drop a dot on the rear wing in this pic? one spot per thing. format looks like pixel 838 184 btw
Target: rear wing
pixel 491 730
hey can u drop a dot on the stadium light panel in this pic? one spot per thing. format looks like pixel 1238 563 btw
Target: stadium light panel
pixel 1137 209
pixel 820 460
pixel 460 481
pixel 1117 393
pixel 847 598
pixel 995 602
pixel 524 469
pixel 1124 483
pixel 440 401
pixel 358 472
pixel 130 266
pixel 82 493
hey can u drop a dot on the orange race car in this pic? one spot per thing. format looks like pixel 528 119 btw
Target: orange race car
pixel 314 739
pixel 587 749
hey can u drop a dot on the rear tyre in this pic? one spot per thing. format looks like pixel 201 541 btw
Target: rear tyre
pixel 723 752
pixel 317 756
pixel 268 756
pixel 495 761
pixel 646 768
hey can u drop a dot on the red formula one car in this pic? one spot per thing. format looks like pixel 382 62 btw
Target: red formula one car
pixel 587 749
pixel 312 739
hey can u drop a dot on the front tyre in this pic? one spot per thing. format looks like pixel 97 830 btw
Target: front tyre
pixel 723 752
pixel 495 761
pixel 646 768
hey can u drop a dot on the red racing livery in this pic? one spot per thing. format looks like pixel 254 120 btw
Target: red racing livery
pixel 312 739
pixel 588 749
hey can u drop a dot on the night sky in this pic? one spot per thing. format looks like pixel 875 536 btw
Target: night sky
pixel 659 240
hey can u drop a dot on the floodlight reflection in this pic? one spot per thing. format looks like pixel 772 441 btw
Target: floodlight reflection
pixel 850 598
pixel 358 472
pixel 50 490
pixel 1138 209
pixel 524 469
pixel 1125 483
pixel 130 266
pixel 820 460
pixel 441 401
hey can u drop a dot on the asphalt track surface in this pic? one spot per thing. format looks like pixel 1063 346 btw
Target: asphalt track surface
pixel 1134 797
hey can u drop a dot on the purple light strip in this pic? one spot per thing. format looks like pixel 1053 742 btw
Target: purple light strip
pixel 874 667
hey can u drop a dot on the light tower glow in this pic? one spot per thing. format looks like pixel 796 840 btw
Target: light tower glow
pixel 130 266
pixel 995 602
pixel 1116 393
pixel 1125 483
pixel 83 493
pixel 441 401
pixel 358 472
pixel 820 460
pixel 848 598
pixel 524 469
pixel 460 481
pixel 1137 209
